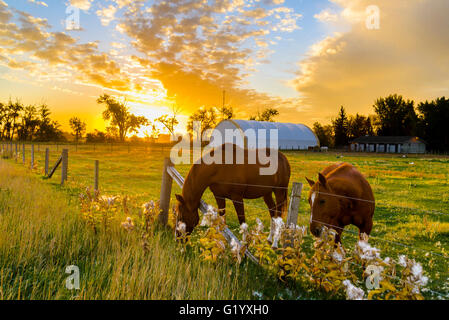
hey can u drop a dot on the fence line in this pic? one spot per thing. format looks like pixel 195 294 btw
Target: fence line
pixel 349 231
pixel 339 196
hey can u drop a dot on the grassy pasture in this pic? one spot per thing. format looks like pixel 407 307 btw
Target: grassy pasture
pixel 412 218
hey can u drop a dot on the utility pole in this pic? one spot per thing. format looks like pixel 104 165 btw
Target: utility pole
pixel 224 98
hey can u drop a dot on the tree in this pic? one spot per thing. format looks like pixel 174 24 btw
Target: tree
pixel 48 130
pixel 267 115
pixel 3 111
pixel 397 117
pixel 207 118
pixel 358 126
pixel 78 127
pixel 96 137
pixel 29 125
pixel 341 128
pixel 170 121
pixel 7 120
pixel 119 116
pixel 226 113
pixel 324 134
pixel 153 134
pixel 14 109
pixel 433 123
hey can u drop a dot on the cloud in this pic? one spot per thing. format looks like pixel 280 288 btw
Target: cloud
pixel 187 50
pixel 326 16
pixel 81 4
pixel 29 45
pixel 197 49
pixel 40 3
pixel 408 55
pixel 106 14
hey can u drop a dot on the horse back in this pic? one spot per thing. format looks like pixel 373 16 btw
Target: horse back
pixel 345 176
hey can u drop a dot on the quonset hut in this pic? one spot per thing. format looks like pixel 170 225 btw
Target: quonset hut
pixel 251 134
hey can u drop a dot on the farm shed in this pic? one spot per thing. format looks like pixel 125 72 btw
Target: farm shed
pixel 398 144
pixel 291 136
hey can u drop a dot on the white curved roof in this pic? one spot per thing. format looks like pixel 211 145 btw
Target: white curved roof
pixel 291 136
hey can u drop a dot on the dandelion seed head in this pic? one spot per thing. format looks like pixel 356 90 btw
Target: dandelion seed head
pixel 259 226
pixel 402 261
pixel 352 292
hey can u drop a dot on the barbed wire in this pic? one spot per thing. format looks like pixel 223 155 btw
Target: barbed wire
pixel 342 228
pixel 339 196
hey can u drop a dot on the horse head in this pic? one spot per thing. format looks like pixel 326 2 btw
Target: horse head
pixel 326 206
pixel 187 214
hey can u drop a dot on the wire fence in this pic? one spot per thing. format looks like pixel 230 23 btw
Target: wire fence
pixel 110 148
pixel 342 229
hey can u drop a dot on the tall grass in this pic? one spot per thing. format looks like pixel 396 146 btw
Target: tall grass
pixel 41 233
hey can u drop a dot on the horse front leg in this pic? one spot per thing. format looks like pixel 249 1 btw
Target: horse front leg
pixel 221 203
pixel 281 201
pixel 268 198
pixel 239 208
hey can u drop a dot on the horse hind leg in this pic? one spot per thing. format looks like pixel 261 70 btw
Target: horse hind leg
pixel 270 204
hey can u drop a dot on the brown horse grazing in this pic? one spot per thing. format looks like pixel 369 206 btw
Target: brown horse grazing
pixel 341 196
pixel 235 182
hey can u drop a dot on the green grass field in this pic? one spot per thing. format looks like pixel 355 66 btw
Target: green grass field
pixel 42 233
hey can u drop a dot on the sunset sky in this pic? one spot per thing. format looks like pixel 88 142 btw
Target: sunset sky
pixel 303 57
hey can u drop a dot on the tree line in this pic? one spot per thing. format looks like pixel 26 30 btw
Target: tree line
pixel 393 116
pixel 34 123
pixel 28 123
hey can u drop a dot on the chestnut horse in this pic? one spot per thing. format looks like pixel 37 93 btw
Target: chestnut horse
pixel 341 196
pixel 234 182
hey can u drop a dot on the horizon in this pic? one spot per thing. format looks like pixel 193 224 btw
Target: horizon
pixel 304 58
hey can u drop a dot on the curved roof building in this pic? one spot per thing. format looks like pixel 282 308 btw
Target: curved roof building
pixel 253 134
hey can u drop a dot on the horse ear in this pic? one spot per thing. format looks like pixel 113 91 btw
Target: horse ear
pixel 322 179
pixel 311 182
pixel 180 198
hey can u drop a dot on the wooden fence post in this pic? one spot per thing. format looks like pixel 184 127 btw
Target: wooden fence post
pixel 65 163
pixel 293 209
pixel 167 182
pixel 97 173
pixel 47 159
pixel 23 153
pixel 32 156
pixel 16 154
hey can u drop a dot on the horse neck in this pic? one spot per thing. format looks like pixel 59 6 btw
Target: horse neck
pixel 195 184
